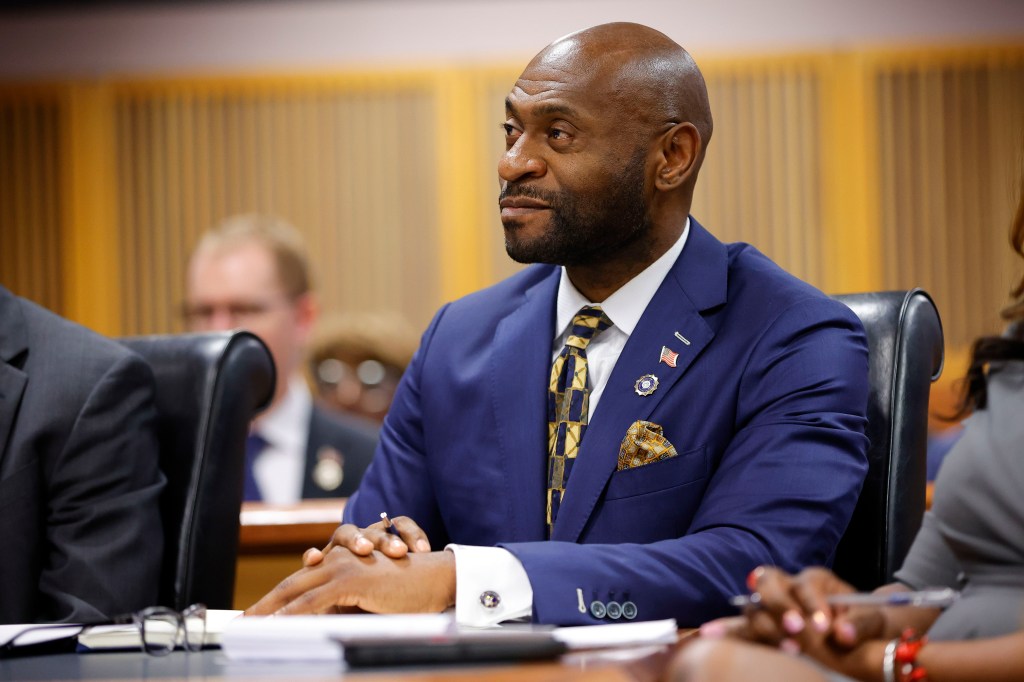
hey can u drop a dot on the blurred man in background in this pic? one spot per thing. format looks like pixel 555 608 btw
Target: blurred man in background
pixel 252 273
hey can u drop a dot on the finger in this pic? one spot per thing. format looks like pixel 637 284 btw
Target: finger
pixel 733 626
pixel 774 588
pixel 856 626
pixel 331 597
pixel 352 538
pixel 414 536
pixel 811 590
pixel 312 557
pixel 289 589
pixel 383 540
pixel 763 626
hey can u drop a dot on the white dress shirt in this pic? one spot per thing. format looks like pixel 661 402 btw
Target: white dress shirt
pixel 280 468
pixel 494 569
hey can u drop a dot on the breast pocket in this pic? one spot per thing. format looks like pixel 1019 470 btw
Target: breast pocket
pixel 651 503
pixel 684 468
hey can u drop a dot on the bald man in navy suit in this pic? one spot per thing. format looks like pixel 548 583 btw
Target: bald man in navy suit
pixel 629 426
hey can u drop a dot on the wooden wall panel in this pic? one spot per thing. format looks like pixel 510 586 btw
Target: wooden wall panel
pixel 876 169
pixel 351 166
pixel 30 194
pixel 951 157
pixel 761 179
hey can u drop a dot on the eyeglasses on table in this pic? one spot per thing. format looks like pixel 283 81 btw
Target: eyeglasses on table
pixel 161 630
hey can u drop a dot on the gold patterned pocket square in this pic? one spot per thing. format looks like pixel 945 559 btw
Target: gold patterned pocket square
pixel 643 444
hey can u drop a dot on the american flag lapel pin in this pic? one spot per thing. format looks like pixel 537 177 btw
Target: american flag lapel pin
pixel 668 356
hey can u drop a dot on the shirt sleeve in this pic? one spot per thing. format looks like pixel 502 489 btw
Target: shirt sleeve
pixel 491 586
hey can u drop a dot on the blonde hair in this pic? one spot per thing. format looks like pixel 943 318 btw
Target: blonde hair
pixel 279 237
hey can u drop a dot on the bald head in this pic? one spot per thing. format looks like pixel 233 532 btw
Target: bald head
pixel 638 68
pixel 605 133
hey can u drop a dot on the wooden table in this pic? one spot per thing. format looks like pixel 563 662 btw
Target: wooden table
pixel 639 664
pixel 272 539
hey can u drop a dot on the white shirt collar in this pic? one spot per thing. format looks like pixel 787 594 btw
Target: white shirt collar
pixel 624 307
pixel 278 427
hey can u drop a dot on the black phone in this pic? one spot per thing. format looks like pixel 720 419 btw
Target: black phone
pixel 485 646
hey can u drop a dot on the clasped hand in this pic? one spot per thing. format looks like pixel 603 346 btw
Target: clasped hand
pixel 794 614
pixel 367 569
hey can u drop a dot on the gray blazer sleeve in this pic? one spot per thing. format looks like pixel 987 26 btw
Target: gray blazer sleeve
pixel 104 537
pixel 930 562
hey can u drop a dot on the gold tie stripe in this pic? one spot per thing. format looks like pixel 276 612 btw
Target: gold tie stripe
pixel 569 403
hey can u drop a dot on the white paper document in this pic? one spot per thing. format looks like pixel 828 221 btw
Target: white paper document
pixel 312 638
pixel 634 633
pixel 316 638
pixel 40 634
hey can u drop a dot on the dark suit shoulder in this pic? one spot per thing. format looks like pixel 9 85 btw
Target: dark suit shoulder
pixel 62 348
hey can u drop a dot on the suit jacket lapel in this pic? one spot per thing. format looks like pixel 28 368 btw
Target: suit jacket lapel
pixel 520 358
pixel 13 343
pixel 696 283
pixel 313 439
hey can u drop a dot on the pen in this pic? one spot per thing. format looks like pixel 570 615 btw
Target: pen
pixel 931 598
pixel 388 524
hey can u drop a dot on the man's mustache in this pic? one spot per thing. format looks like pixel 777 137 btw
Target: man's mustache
pixel 514 189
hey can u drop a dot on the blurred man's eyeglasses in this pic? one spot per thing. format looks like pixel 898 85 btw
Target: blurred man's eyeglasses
pixel 161 630
pixel 201 316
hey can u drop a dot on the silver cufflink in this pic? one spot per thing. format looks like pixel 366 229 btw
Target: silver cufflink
pixel 490 599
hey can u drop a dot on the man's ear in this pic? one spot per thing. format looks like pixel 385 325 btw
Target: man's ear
pixel 307 309
pixel 680 151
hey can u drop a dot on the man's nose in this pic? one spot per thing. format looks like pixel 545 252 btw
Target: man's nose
pixel 521 160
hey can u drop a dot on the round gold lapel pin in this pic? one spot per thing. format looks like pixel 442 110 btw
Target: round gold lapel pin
pixel 328 472
pixel 646 385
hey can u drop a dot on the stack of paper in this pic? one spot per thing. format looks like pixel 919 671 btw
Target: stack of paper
pixel 316 638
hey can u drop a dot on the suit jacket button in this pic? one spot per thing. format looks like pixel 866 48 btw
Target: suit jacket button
pixel 614 610
pixel 490 599
pixel 597 609
pixel 628 610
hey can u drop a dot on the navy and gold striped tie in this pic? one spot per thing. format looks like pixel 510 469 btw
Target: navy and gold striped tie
pixel 569 403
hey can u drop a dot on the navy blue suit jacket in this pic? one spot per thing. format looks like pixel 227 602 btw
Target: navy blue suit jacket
pixel 766 409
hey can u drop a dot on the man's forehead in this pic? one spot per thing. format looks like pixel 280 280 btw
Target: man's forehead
pixel 246 267
pixel 553 88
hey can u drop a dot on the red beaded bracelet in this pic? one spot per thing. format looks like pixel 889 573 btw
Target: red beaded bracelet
pixel 907 669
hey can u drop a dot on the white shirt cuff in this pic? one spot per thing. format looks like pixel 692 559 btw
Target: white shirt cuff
pixel 491 586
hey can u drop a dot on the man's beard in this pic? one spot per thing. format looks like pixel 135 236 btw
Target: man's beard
pixel 581 234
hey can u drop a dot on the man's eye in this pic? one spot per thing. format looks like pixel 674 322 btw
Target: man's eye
pixel 509 129
pixel 558 134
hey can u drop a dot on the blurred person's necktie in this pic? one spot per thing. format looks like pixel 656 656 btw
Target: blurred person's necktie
pixel 254 444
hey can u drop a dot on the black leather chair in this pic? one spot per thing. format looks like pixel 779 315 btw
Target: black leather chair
pixel 905 355
pixel 208 389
